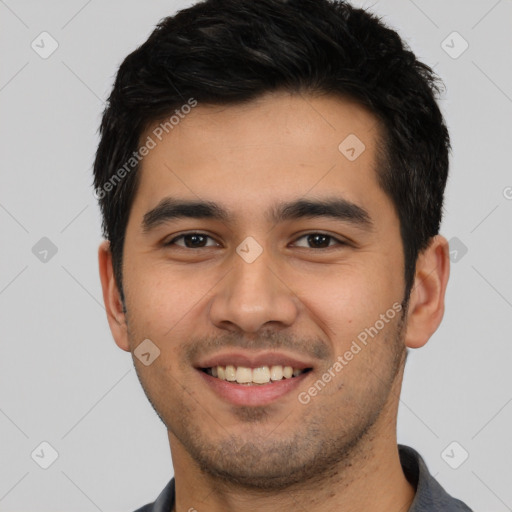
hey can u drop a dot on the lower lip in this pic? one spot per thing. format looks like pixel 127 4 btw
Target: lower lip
pixel 253 395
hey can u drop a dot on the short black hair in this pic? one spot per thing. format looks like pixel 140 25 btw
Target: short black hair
pixel 232 51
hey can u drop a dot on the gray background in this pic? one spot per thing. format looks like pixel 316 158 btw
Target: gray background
pixel 64 381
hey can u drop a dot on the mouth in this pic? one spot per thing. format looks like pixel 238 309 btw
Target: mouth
pixel 258 376
pixel 253 379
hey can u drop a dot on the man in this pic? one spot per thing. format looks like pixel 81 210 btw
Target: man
pixel 271 177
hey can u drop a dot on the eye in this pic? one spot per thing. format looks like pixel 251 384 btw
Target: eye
pixel 192 241
pixel 319 241
pixel 201 240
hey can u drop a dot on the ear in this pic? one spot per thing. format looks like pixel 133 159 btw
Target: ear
pixel 112 298
pixel 426 304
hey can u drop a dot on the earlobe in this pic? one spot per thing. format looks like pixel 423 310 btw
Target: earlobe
pixel 426 305
pixel 112 298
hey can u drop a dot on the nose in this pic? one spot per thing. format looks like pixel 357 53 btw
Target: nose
pixel 253 296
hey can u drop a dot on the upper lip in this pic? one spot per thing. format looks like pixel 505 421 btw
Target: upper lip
pixel 253 360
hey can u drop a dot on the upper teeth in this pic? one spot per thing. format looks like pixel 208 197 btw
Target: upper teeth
pixel 260 375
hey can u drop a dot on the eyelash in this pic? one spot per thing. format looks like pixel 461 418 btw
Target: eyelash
pixel 331 237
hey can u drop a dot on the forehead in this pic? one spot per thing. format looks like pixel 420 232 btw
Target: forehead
pixel 278 147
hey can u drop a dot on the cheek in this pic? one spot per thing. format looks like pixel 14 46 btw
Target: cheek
pixel 160 299
pixel 349 298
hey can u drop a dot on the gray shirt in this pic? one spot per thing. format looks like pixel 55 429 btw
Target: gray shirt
pixel 430 496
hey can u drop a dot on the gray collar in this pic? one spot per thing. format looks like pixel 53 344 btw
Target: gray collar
pixel 430 496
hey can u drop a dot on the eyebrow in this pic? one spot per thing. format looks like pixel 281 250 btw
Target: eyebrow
pixel 336 208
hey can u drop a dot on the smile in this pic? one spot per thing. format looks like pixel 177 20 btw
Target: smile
pixel 254 376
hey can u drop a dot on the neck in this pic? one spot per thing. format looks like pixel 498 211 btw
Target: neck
pixel 371 480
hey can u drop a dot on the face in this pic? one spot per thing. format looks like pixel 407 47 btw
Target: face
pixel 256 247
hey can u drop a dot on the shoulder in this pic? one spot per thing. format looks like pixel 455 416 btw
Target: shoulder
pixel 430 495
pixel 146 508
pixel 163 503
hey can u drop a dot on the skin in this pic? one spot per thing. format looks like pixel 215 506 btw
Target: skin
pixel 339 451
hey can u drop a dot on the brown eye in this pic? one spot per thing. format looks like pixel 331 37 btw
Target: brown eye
pixel 319 241
pixel 192 241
